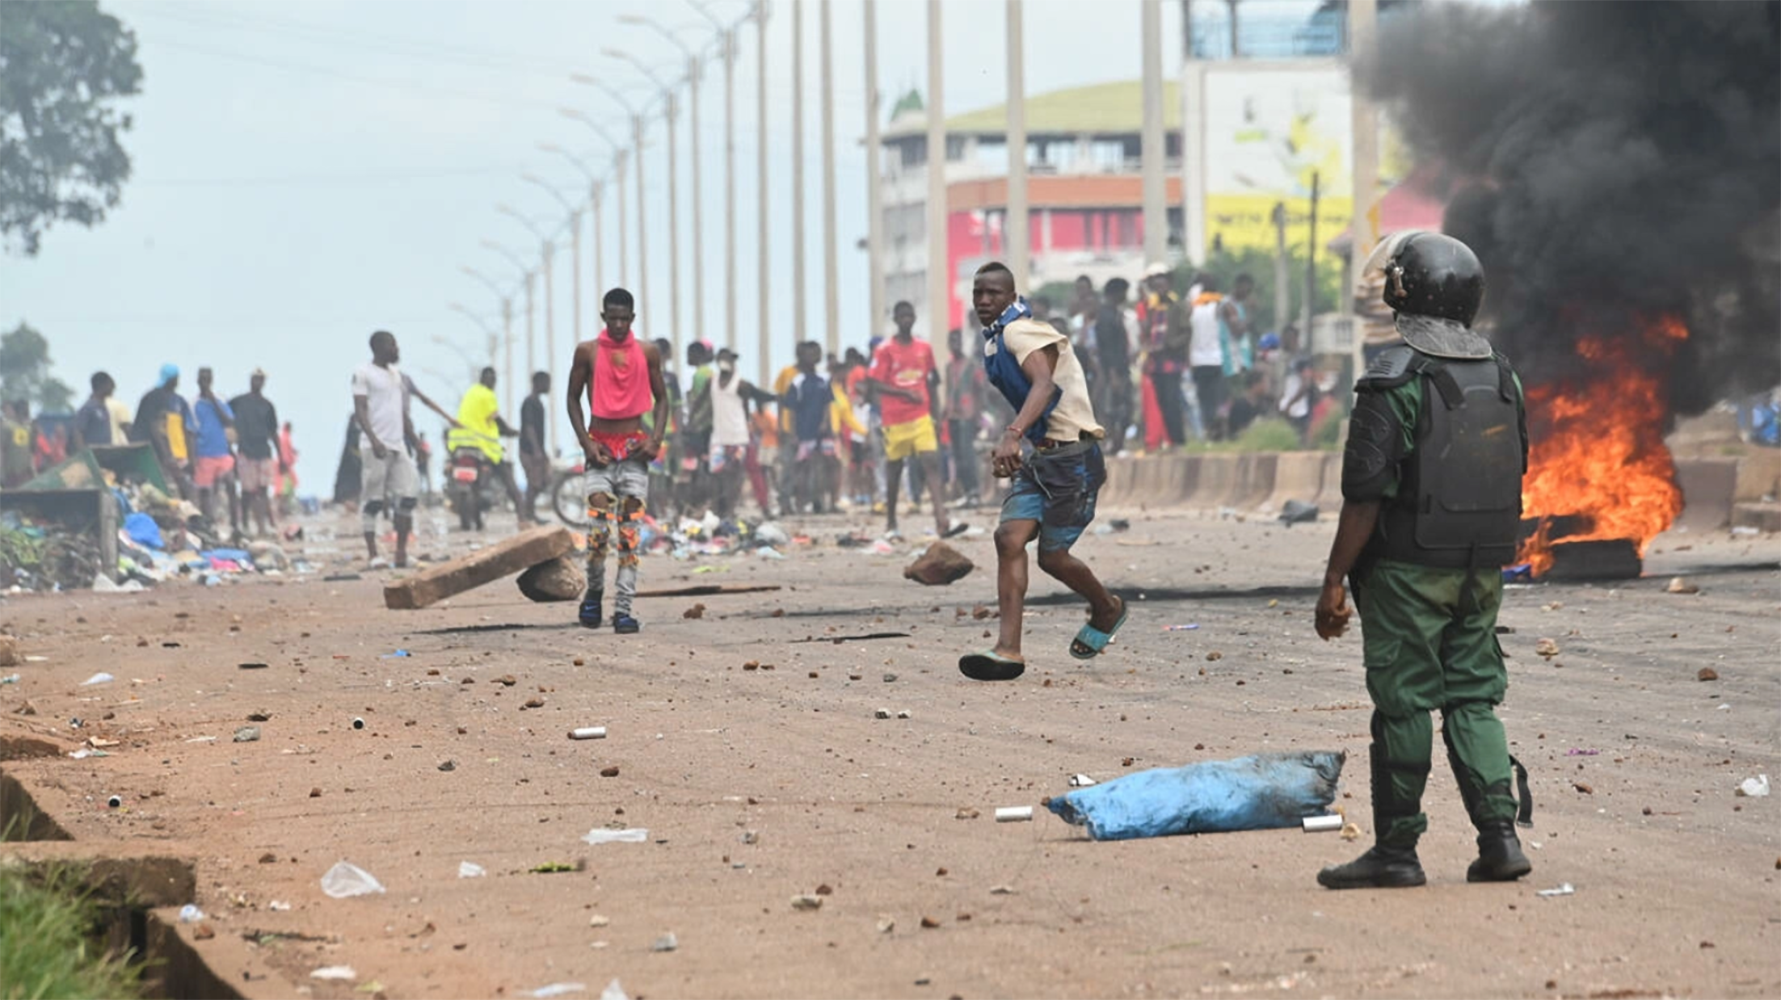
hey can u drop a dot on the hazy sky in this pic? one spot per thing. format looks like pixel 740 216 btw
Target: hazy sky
pixel 308 172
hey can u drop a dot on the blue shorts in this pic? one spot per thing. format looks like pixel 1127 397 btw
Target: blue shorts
pixel 1057 488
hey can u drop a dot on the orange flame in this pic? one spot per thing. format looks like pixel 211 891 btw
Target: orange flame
pixel 1597 446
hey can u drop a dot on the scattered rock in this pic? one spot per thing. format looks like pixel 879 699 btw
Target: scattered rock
pixel 967 813
pixel 579 662
pixel 980 612
pixel 1547 648
pixel 506 680
pixel 1001 890
pixel 883 713
pixel 929 923
pixel 315 793
pixel 888 924
pixel 534 702
pixel 1678 585
pixel 450 765
pixel 890 678
pixel 825 890
pixel 203 932
pixel 609 772
pixel 268 858
pixel 1581 787
pixel 903 714
pixel 940 565
pixel 667 942
pixel 247 734
pixel 559 579
pixel 598 920
pixel 752 665
pixel 9 651
pixel 807 902
pixel 1214 656
pixel 1707 674
pixel 695 612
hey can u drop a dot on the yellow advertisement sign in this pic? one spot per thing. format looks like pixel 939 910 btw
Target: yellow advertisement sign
pixel 1246 221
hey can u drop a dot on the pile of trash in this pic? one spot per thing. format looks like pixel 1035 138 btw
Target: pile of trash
pixel 712 535
pixel 45 554
pixel 163 539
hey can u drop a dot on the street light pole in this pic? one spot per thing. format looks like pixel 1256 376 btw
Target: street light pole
pixel 1016 243
pixel 729 42
pixel 831 279
pixel 673 189
pixel 798 170
pixel 1156 215
pixel 506 328
pixel 763 273
pixel 874 186
pixel 939 281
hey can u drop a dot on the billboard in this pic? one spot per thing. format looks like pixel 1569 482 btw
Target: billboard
pixel 1271 130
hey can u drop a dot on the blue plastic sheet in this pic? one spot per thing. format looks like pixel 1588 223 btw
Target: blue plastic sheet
pixel 143 530
pixel 1263 792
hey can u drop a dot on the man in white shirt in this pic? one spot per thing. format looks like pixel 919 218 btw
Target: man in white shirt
pixel 1205 355
pixel 380 406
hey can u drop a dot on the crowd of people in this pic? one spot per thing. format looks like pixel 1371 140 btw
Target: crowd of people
pixel 231 457
pixel 863 429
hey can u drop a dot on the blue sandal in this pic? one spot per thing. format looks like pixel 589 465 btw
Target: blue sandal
pixel 1090 642
pixel 624 624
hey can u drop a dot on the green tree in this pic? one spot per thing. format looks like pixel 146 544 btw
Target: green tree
pixel 25 371
pixel 63 66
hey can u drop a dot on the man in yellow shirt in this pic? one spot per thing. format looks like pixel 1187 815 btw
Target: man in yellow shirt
pixel 480 426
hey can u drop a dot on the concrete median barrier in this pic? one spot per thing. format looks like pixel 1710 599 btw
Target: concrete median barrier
pixel 1298 475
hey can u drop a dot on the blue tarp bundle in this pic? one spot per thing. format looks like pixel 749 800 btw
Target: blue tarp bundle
pixel 1262 792
pixel 143 530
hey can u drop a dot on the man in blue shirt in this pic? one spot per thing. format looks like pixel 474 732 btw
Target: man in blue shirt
pixel 809 398
pixel 213 464
pixel 92 422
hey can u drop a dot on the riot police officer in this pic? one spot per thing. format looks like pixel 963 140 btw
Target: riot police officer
pixel 1431 488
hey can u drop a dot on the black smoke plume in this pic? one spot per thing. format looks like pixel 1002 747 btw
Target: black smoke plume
pixel 1609 161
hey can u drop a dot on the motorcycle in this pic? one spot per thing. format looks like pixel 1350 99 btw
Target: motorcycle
pixel 473 488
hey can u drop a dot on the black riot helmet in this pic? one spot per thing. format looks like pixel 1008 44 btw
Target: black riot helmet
pixel 1428 274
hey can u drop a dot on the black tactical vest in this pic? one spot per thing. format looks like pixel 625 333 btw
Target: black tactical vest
pixel 1459 496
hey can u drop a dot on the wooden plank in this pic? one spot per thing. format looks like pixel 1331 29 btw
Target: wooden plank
pixel 504 558
pixel 707 589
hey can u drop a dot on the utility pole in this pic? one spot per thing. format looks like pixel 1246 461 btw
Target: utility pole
pixel 673 231
pixel 798 170
pixel 729 43
pixel 1362 43
pixel 1236 51
pixel 550 320
pixel 874 187
pixel 763 272
pixel 507 340
pixel 1193 144
pixel 642 223
pixel 831 279
pixel 692 78
pixel 1016 243
pixel 939 280
pixel 618 174
pixel 1282 281
pixel 531 352
pixel 1156 210
pixel 599 251
pixel 1309 308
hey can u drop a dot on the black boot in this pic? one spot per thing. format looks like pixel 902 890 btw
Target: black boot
pixel 1499 855
pixel 1381 867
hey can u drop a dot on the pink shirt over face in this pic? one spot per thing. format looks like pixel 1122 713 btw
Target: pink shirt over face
pixel 905 366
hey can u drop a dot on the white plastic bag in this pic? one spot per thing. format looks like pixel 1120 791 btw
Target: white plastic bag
pixel 345 880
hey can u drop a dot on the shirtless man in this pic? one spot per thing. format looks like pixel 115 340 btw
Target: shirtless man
pixel 622 379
